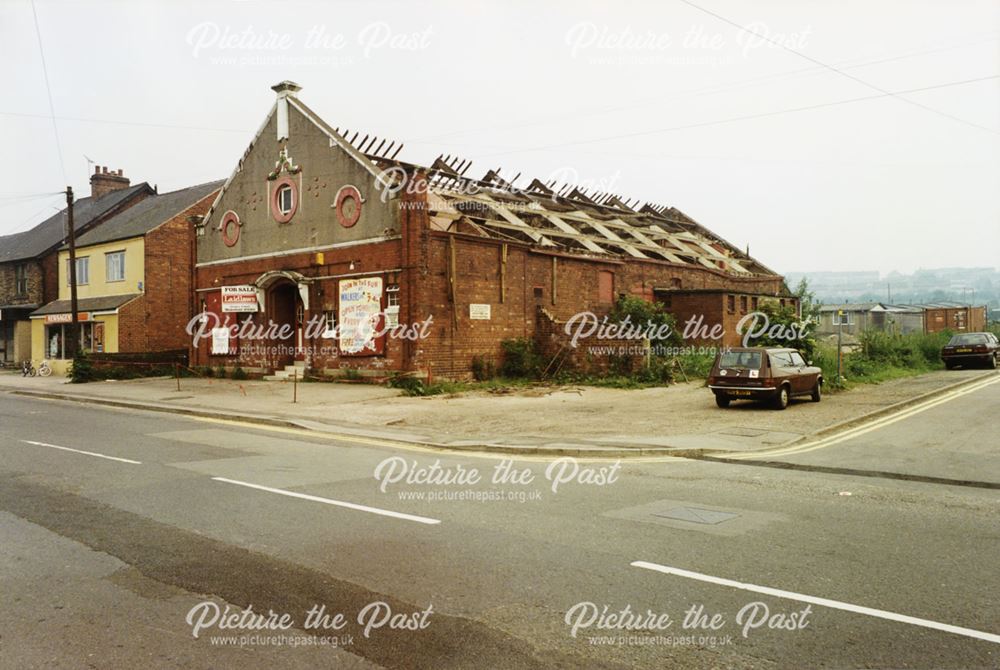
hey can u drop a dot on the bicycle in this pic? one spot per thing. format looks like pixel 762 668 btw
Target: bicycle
pixel 44 370
pixel 28 369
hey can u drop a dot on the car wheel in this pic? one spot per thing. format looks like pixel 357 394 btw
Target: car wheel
pixel 993 362
pixel 948 365
pixel 722 401
pixel 817 393
pixel 781 400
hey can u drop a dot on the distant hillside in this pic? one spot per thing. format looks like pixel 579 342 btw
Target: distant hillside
pixel 980 286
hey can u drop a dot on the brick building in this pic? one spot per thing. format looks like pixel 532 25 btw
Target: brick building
pixel 133 280
pixel 29 260
pixel 317 231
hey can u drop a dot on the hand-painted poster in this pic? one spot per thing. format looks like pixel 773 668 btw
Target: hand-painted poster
pixel 361 316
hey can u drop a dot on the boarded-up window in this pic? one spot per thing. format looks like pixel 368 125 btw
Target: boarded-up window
pixel 605 287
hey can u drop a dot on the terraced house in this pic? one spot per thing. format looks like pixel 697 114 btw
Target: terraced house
pixel 29 260
pixel 317 225
pixel 133 276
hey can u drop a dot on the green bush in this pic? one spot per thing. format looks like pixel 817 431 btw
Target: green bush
pixel 82 369
pixel 483 369
pixel 239 373
pixel 520 358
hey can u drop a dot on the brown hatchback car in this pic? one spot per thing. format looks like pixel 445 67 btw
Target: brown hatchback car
pixel 761 373
pixel 966 348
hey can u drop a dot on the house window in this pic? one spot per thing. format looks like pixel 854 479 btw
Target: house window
pixel 843 319
pixel 753 303
pixel 392 295
pixel 329 325
pixel 21 279
pixel 286 200
pixel 392 306
pixel 82 271
pixel 115 266
pixel 730 303
pixel 743 303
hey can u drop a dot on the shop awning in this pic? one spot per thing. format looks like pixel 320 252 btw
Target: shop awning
pixel 104 303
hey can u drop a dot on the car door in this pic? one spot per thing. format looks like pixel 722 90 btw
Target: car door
pixel 804 379
pixel 781 368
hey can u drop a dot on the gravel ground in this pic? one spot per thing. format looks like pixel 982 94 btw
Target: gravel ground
pixel 562 413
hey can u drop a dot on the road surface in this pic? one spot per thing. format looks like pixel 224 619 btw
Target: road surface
pixel 125 532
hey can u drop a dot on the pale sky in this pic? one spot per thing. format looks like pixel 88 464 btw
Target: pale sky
pixel 646 99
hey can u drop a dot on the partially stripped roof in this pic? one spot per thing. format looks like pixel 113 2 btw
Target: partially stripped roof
pixel 568 219
pixel 558 217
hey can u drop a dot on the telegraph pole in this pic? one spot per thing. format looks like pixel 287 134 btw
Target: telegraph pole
pixel 74 330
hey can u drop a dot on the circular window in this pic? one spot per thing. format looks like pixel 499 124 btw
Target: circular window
pixel 348 205
pixel 230 228
pixel 284 200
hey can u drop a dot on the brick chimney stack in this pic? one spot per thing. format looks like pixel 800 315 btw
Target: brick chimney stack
pixel 102 181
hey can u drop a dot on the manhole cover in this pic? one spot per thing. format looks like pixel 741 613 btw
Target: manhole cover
pixel 696 515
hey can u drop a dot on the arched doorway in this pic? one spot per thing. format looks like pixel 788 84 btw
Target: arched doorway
pixel 286 311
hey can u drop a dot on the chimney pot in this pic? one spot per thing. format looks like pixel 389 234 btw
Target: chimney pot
pixel 105 181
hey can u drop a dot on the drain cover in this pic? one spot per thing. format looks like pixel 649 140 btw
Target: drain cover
pixel 696 515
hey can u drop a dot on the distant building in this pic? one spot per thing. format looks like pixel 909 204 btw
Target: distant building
pixel 953 316
pixel 854 318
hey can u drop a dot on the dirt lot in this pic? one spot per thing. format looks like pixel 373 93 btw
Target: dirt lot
pixel 679 416
pixel 572 413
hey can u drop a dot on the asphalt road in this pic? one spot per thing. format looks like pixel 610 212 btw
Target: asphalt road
pixel 110 556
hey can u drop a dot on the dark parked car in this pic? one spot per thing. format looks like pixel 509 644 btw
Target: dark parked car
pixel 967 348
pixel 758 373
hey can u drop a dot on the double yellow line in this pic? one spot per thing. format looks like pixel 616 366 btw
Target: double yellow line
pixel 851 433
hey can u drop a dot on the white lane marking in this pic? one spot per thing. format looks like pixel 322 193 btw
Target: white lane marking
pixel 835 604
pixel 80 451
pixel 330 501
pixel 866 428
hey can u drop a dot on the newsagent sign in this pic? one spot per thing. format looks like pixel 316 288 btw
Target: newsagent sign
pixel 360 311
pixel 239 299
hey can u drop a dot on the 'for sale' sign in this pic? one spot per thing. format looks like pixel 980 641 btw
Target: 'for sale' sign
pixel 239 299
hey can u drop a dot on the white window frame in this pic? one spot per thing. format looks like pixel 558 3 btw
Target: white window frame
pixel 107 265
pixel 846 320
pixel 329 324
pixel 282 190
pixel 82 278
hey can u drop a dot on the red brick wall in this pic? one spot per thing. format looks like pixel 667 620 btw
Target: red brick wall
pixel 169 261
pixel 577 288
pixel 376 258
pixel 132 326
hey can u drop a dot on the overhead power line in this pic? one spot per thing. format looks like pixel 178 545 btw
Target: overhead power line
pixel 745 117
pixel 838 70
pixel 48 90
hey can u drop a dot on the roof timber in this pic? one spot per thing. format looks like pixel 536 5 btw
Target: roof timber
pixel 642 241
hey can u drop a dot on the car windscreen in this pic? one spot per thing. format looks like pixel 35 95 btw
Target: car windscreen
pixel 749 360
pixel 968 338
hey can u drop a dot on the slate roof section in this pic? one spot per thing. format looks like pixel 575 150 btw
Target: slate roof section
pixel 147 214
pixel 102 303
pixel 51 232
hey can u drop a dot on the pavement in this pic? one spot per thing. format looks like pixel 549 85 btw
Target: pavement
pixel 554 421
pixel 121 525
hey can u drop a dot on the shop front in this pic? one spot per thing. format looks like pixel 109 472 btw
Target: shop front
pixel 98 322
